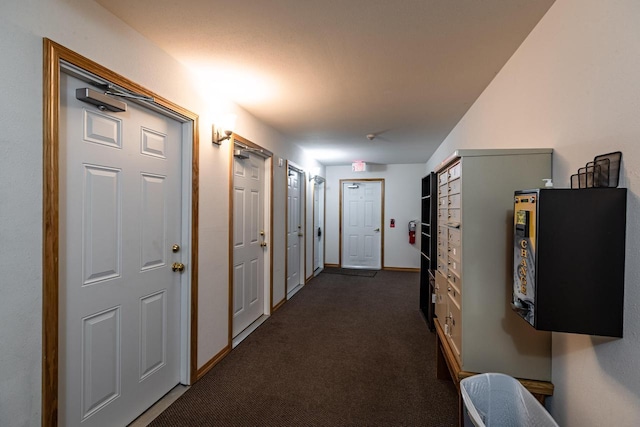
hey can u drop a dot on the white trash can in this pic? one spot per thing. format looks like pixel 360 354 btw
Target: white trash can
pixel 497 400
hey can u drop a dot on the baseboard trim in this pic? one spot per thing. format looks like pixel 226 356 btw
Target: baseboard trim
pixel 278 305
pixel 332 265
pixel 212 362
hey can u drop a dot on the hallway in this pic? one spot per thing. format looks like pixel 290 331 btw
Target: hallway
pixel 345 351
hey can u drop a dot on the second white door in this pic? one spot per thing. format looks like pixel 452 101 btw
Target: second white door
pixel 294 231
pixel 318 226
pixel 362 224
pixel 248 241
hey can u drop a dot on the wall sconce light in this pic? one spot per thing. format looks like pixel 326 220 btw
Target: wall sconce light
pixel 316 179
pixel 226 124
pixel 314 174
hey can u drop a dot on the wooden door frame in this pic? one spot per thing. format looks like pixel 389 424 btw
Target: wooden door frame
pixel 303 217
pixel 267 174
pixel 381 181
pixel 316 184
pixel 54 53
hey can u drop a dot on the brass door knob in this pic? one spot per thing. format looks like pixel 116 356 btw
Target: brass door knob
pixel 178 266
pixel 263 244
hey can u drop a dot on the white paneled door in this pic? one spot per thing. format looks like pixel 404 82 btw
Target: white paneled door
pixel 248 240
pixel 362 224
pixel 318 226
pixel 294 230
pixel 120 215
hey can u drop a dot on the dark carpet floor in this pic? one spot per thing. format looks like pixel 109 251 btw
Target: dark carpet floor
pixel 344 351
pixel 350 272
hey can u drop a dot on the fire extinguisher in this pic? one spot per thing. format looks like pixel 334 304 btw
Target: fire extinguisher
pixel 412 232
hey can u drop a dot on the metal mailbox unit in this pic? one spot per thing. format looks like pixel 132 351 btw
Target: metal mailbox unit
pixel 476 325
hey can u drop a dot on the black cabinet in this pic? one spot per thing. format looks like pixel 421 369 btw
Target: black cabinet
pixel 569 250
pixel 428 242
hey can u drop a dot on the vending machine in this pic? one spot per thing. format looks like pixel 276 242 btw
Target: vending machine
pixel 568 259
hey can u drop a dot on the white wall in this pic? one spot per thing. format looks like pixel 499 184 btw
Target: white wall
pixel 573 85
pixel 402 190
pixel 88 29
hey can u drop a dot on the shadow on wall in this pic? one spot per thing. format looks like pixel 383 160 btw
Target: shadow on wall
pixel 618 356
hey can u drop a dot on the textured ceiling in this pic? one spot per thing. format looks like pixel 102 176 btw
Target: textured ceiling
pixel 327 73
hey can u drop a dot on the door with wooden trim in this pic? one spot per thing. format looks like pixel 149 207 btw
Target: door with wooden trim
pixel 249 240
pixel 318 225
pixel 362 224
pixel 295 258
pixel 120 217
